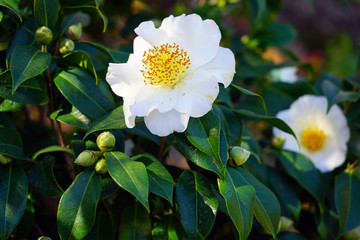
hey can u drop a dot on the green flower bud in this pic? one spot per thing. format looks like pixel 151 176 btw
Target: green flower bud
pixel 87 158
pixel 43 35
pixel 66 46
pixel 44 238
pixel 101 166
pixel 74 31
pixel 5 159
pixel 105 141
pixel 284 224
pixel 238 155
pixel 278 142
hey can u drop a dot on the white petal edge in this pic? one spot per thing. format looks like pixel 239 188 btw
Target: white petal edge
pixel 129 117
pixel 149 33
pixel 163 124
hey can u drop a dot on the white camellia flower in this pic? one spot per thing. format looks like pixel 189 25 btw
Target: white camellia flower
pixel 173 73
pixel 322 137
pixel 285 74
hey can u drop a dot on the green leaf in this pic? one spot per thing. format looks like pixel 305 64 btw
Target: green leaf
pixel 255 11
pixel 41 177
pixel 168 228
pixel 275 34
pixel 77 206
pixel 46 12
pixel 94 9
pixel 13 196
pixel 13 5
pixel 304 172
pixel 81 90
pixel 109 187
pixel 335 95
pixel 130 175
pixel 29 91
pixel 100 55
pixel 347 195
pixel 27 62
pixel 81 59
pixel 11 143
pixel 54 148
pixel 197 205
pixel 73 118
pixel 135 223
pixel 8 105
pixel 113 120
pixel 160 180
pixel 1 16
pixel 239 201
pixel 266 207
pixel 102 229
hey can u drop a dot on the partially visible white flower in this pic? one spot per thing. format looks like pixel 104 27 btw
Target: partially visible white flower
pixel 285 74
pixel 322 137
pixel 173 73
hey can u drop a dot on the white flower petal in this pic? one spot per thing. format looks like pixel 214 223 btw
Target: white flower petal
pixel 199 38
pixel 149 98
pixel 222 66
pixel 196 95
pixel 163 124
pixel 149 33
pixel 128 115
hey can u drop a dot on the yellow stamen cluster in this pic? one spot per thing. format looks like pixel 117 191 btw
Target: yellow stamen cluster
pixel 164 65
pixel 313 139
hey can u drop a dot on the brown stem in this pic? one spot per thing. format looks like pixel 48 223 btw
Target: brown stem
pixel 161 148
pixel 38 229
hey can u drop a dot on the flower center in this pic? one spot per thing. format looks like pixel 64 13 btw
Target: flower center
pixel 313 139
pixel 164 65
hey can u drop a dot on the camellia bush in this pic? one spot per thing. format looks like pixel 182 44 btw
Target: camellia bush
pixel 188 130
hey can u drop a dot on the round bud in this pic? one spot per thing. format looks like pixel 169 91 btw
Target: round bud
pixel 5 159
pixel 105 141
pixel 101 166
pixel 43 35
pixel 66 46
pixel 74 32
pixel 238 155
pixel 278 142
pixel 87 158
pixel 44 238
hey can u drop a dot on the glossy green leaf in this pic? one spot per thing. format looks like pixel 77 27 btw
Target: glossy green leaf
pixel 94 9
pixel 11 143
pixel 113 120
pixel 135 223
pixel 8 105
pixel 102 229
pixel 46 12
pixel 335 95
pixel 240 201
pixel 197 205
pixel 130 175
pixel 255 11
pixel 73 118
pixel 168 228
pixel 275 34
pixel 109 187
pixel 77 206
pixel 100 56
pixel 258 97
pixel 1 16
pixel 347 195
pixel 41 177
pixel 304 172
pixel 13 196
pixel 160 180
pixel 27 62
pixel 54 148
pixel 29 91
pixel 81 59
pixel 13 5
pixel 81 90
pixel 266 207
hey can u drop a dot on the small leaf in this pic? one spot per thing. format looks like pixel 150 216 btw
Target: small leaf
pixel 335 95
pixel 113 120
pixel 168 228
pixel 258 97
pixel 160 180
pixel 275 34
pixel 197 205
pixel 54 148
pixel 27 62
pixel 80 89
pixel 73 118
pixel 347 195
pixel 135 223
pixel 13 196
pixel 13 5
pixel 77 206
pixel 46 12
pixel 41 177
pixel 239 201
pixel 11 143
pixel 130 175
pixel 255 11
